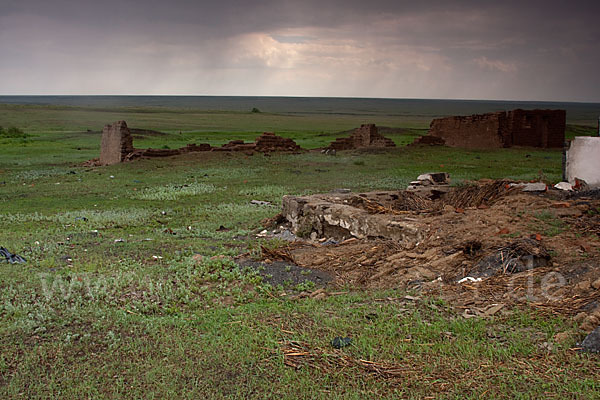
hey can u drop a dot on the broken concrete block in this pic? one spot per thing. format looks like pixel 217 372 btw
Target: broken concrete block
pixel 334 217
pixel 535 187
pixel 531 187
pixel 564 186
pixel 583 160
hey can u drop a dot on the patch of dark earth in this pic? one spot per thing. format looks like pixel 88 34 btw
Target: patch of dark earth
pixel 286 274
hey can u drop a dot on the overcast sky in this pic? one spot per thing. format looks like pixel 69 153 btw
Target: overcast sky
pixel 503 49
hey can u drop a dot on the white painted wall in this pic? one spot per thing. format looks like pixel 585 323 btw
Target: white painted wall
pixel 583 160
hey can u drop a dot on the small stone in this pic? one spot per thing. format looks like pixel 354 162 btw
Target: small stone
pixel 560 337
pixel 587 326
pixel 339 342
pixel 583 286
pixel 592 319
pixel 580 317
pixel 596 284
pixel 591 343
pixel 548 346
pixel 448 208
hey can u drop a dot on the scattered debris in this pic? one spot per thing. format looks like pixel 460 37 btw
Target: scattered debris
pixel 431 184
pixel 518 256
pixel 298 354
pixel 285 234
pixel 564 186
pixel 260 203
pixel 10 257
pixel 531 187
pixel 435 178
pixel 500 243
pixel 382 214
pixel 581 185
pixel 478 195
pixel 469 279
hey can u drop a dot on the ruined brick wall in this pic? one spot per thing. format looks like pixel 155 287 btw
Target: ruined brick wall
pixel 474 131
pixel 535 128
pixel 116 144
pixel 365 136
pixel 269 141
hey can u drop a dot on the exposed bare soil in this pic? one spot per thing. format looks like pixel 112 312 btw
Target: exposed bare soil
pixel 514 248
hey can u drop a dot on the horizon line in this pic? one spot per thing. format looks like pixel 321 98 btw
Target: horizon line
pixel 302 96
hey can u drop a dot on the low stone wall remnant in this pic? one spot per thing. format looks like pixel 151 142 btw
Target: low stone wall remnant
pixel 117 145
pixel 365 136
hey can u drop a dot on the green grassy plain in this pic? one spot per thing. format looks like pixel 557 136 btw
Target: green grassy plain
pixel 130 290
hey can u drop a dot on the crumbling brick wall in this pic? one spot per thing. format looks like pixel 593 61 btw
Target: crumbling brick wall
pixel 535 128
pixel 365 136
pixel 269 141
pixel 117 143
pixel 117 146
pixel 265 143
pixel 474 131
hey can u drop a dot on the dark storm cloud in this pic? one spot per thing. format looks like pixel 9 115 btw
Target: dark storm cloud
pixel 463 49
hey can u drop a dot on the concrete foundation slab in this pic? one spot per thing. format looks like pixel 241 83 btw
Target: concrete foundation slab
pixel 337 216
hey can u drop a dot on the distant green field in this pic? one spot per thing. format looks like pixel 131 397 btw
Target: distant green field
pixel 130 290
